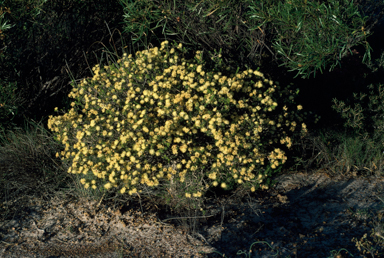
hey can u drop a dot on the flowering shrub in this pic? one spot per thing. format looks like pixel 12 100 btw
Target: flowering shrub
pixel 160 118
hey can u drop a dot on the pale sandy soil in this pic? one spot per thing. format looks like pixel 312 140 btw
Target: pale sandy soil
pixel 305 215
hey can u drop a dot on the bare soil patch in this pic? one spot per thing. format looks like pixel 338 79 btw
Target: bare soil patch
pixel 304 215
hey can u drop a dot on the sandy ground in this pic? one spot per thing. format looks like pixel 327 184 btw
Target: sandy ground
pixel 304 215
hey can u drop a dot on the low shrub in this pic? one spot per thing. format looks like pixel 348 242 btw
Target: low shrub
pixel 161 119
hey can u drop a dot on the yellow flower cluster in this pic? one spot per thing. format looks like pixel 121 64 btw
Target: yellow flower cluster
pixel 139 114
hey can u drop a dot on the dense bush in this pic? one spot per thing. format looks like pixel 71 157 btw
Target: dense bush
pixel 161 118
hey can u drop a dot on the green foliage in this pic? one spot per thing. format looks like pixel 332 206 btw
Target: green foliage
pixel 206 25
pixel 373 10
pixel 161 118
pixel 360 146
pixel 9 105
pixel 138 17
pixel 306 36
pixel 3 22
pixel 310 35
pixel 366 115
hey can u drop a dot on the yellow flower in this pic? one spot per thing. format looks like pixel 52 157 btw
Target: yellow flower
pixel 299 107
pixel 199 68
